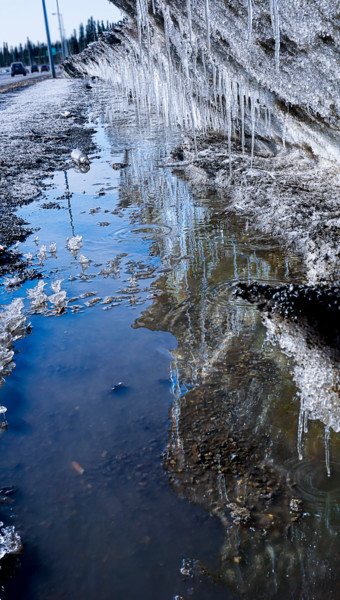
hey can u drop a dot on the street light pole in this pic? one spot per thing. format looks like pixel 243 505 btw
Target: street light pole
pixel 48 41
pixel 60 31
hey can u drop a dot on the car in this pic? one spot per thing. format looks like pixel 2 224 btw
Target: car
pixel 17 69
pixel 44 68
pixel 34 69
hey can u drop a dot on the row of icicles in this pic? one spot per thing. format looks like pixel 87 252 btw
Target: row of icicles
pixel 170 84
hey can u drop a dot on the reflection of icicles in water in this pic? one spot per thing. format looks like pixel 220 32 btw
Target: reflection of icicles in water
pixel 300 428
pixel 327 436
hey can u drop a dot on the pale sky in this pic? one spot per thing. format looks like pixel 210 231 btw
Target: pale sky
pixel 20 19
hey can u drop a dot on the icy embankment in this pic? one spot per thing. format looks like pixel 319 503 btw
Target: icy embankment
pixel 263 77
pixel 305 322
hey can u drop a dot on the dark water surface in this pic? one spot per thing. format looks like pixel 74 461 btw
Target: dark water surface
pixel 134 432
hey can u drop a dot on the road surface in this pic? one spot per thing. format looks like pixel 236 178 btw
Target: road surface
pixel 11 83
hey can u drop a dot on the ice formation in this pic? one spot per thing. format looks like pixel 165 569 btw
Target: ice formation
pixel 79 157
pixel 74 243
pixel 38 297
pixel 10 542
pixel 190 63
pixel 58 299
pixel 317 377
pixel 12 328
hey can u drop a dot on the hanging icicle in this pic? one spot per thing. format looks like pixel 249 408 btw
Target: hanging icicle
pixel 189 19
pixel 275 18
pixel 207 20
pixel 250 20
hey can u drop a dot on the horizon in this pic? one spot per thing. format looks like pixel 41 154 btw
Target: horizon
pixel 30 23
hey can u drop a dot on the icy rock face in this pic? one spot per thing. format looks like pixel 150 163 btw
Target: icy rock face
pixel 244 67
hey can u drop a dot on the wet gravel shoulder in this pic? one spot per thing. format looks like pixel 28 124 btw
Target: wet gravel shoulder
pixel 39 127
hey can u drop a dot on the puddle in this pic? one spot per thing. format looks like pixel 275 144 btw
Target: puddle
pixel 147 407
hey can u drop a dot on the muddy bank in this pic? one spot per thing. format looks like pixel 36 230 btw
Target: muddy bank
pixel 292 195
pixel 40 126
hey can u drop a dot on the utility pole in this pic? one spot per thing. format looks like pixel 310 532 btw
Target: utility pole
pixel 65 40
pixel 48 41
pixel 60 30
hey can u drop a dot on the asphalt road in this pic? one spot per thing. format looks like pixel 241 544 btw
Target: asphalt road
pixel 5 78
pixel 8 83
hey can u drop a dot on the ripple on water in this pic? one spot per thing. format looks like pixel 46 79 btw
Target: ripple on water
pixel 147 231
pixel 309 480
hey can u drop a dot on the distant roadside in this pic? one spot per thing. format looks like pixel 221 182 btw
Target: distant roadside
pixel 8 83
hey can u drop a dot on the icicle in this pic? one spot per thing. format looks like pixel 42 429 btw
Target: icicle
pixel 139 25
pixel 250 19
pixel 305 425
pixel 275 18
pixel 189 19
pixel 284 133
pixel 207 20
pixel 242 101
pixel 252 113
pixel 327 436
pixel 300 428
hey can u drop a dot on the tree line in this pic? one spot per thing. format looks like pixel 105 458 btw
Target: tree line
pixel 31 53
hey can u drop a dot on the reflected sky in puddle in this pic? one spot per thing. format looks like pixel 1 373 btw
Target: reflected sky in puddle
pixel 170 381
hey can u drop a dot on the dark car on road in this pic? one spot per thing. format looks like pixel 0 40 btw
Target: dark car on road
pixel 44 68
pixel 18 69
pixel 34 69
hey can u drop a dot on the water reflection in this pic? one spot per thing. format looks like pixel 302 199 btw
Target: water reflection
pixel 234 418
pixel 230 445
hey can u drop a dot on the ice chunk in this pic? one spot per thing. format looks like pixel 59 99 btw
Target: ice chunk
pixel 58 299
pixel 37 296
pixel 10 541
pixel 79 157
pixel 83 260
pixel 75 243
pixel 42 254
pixel 55 285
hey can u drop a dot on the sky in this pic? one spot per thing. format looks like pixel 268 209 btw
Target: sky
pixel 20 19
